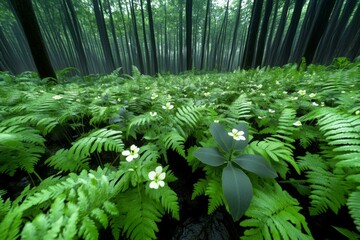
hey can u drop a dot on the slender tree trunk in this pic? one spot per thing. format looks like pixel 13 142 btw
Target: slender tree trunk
pixel 152 39
pixel 110 66
pixel 234 37
pixel 26 16
pixel 263 32
pixel 188 34
pixel 204 34
pixel 136 35
pixel 252 34
pixel 113 32
pixel 283 57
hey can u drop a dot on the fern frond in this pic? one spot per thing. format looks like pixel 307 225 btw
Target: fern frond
pixel 109 140
pixel 353 203
pixel 327 190
pixel 175 141
pixel 199 188
pixel 274 214
pixel 215 194
pixel 140 214
pixel 285 126
pixel 61 161
pixel 168 199
pixel 240 108
pixel 188 117
pixel 20 147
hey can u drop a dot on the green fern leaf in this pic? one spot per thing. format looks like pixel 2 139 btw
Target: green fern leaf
pixel 274 214
pixel 353 203
pixel 240 108
pixel 215 194
pixel 175 141
pixel 88 229
pixel 101 216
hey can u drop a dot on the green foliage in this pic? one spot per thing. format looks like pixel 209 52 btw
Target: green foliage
pixel 274 214
pixel 20 147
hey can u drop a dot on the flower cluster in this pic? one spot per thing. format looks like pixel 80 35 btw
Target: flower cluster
pixel 237 135
pixel 157 178
pixel 132 153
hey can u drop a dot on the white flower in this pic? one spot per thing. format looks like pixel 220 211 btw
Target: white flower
pixel 277 83
pixel 157 178
pixel 259 86
pixel 153 114
pixel 168 106
pixel 357 112
pixel 154 95
pixel 297 124
pixel 168 96
pixel 237 135
pixel 343 92
pixel 294 98
pixel 302 92
pixel 262 94
pixel 285 92
pixel 206 94
pixel 57 97
pixel 322 104
pixel 312 95
pixel 315 104
pixel 271 110
pixel 216 121
pixel 132 153
pixel 147 88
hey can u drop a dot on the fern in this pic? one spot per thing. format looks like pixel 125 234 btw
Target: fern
pixel 173 140
pixel 353 203
pixel 139 215
pixel 240 108
pixel 168 199
pixel 109 140
pixel 285 126
pixel 61 161
pixel 20 147
pixel 188 117
pixel 274 214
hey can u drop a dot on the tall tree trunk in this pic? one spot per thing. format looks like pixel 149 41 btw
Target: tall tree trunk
pixel 283 57
pixel 113 32
pixel 136 35
pixel 152 38
pixel 252 34
pixel 110 65
pixel 234 37
pixel 26 16
pixel 318 27
pixel 276 44
pixel 207 16
pixel 263 33
pixel 188 34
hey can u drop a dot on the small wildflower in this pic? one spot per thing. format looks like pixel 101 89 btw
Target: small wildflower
pixel 343 92
pixel 259 86
pixel 157 178
pixel 285 92
pixel 297 124
pixel 312 95
pixel 322 104
pixel 132 153
pixel 315 104
pixel 259 117
pixel 119 99
pixel 206 94
pixel 262 94
pixel 147 88
pixel 277 83
pixel 153 114
pixel 216 121
pixel 302 92
pixel 271 110
pixel 57 97
pixel 357 112
pixel 237 135
pixel 153 96
pixel 169 96
pixel 294 98
pixel 168 106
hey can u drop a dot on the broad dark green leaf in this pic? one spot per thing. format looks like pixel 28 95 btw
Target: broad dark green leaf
pixel 241 144
pixel 210 156
pixel 221 136
pixel 237 190
pixel 256 164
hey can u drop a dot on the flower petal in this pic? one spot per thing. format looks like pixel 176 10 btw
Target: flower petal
pixel 162 176
pixel 126 153
pixel 152 175
pixel 161 183
pixel 158 169
pixel 129 158
pixel 154 185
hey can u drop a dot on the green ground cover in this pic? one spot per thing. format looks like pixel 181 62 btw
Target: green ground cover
pixel 95 152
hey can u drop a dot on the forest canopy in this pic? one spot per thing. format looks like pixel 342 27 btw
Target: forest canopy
pixel 99 36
